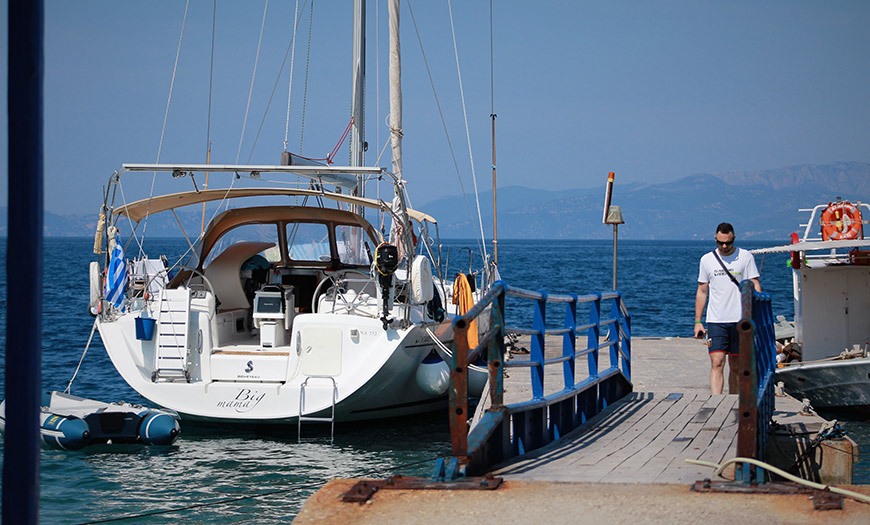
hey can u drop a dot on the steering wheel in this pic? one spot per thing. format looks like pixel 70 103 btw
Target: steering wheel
pixel 335 279
pixel 175 281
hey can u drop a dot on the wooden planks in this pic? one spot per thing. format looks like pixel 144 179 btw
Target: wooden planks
pixel 644 438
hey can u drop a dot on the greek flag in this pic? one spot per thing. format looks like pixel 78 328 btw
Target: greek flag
pixel 116 277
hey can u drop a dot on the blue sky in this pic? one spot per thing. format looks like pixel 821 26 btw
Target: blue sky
pixel 653 90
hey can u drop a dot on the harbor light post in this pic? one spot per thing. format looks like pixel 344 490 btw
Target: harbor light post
pixel 614 217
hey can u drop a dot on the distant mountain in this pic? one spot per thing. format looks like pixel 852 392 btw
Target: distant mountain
pixel 760 204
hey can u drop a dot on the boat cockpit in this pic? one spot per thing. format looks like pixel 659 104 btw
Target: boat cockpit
pixel 264 263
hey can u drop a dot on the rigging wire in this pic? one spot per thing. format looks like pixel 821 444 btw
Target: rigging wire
pixel 493 116
pixel 210 79
pixel 443 122
pixel 253 78
pixel 275 88
pixel 292 59
pixel 307 66
pixel 208 125
pixel 165 118
pixel 467 131
pixel 378 99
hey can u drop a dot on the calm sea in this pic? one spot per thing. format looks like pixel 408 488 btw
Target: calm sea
pixel 210 464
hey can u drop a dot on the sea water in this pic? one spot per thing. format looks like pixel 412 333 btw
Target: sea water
pixel 219 474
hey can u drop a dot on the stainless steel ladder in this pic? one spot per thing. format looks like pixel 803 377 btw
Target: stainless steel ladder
pixel 330 419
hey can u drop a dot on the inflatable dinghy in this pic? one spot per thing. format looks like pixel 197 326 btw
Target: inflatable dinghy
pixel 70 422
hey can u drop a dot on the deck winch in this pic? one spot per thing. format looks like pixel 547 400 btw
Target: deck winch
pixel 386 262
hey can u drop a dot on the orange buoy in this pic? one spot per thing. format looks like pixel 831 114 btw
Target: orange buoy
pixel 841 220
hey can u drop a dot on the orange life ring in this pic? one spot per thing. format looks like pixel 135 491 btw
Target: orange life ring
pixel 841 220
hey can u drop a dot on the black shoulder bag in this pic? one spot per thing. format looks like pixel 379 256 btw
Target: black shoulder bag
pixel 722 264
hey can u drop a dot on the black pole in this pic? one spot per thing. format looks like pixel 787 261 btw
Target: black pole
pixel 24 264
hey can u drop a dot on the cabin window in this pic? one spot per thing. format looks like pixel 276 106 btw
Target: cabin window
pixel 308 241
pixel 350 241
pixel 264 233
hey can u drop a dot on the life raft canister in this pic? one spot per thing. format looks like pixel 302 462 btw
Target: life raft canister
pixel 841 220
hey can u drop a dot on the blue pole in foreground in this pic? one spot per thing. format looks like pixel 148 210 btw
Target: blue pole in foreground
pixel 24 264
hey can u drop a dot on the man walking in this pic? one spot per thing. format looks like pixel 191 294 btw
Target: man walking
pixel 719 276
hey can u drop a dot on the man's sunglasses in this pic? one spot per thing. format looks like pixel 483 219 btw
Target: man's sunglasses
pixel 724 243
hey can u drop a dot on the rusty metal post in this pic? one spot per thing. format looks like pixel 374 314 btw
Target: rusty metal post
pixel 459 390
pixel 747 426
pixel 496 354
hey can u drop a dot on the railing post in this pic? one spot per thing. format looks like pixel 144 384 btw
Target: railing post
pixel 496 353
pixel 613 336
pixel 569 342
pixel 747 380
pixel 765 351
pixel 459 389
pixel 537 351
pixel 593 335
pixel 626 341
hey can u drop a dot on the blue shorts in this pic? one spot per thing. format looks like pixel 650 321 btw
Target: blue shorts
pixel 723 338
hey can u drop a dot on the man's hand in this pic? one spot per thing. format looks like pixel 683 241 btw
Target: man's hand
pixel 699 330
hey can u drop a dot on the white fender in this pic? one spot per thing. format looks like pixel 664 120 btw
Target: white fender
pixel 433 376
pixel 421 280
pixel 96 288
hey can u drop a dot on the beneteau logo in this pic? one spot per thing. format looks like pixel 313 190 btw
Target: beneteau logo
pixel 250 367
pixel 246 400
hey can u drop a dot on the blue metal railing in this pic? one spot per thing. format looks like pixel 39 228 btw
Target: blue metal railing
pixel 506 431
pixel 756 380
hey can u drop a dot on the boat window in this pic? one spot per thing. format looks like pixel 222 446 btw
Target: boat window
pixel 267 234
pixel 350 243
pixel 308 241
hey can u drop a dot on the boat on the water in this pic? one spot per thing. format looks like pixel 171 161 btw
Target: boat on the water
pixel 831 274
pixel 69 422
pixel 290 307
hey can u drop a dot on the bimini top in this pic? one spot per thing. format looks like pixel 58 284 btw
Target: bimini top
pixel 138 210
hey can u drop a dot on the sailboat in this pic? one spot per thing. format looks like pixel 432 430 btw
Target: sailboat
pixel 288 312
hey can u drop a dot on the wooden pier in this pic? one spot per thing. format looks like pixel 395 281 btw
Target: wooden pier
pixel 648 436
pixel 641 441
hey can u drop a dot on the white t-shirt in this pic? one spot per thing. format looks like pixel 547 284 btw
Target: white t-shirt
pixel 723 305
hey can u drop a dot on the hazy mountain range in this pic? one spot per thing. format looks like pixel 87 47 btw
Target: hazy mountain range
pixel 761 204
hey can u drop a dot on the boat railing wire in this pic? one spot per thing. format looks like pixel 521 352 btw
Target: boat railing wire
pixel 509 430
pixel 757 366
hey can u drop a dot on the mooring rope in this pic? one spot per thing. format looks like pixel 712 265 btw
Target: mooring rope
pixel 862 498
pixel 82 358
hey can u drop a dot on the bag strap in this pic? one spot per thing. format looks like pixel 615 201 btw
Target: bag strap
pixel 722 264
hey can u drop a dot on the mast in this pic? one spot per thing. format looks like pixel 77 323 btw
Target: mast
pixel 395 90
pixel 357 129
pixel 399 204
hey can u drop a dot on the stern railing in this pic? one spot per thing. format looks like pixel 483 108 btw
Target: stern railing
pixel 506 431
pixel 755 381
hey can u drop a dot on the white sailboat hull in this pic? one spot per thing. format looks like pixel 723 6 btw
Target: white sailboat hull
pixel 374 371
